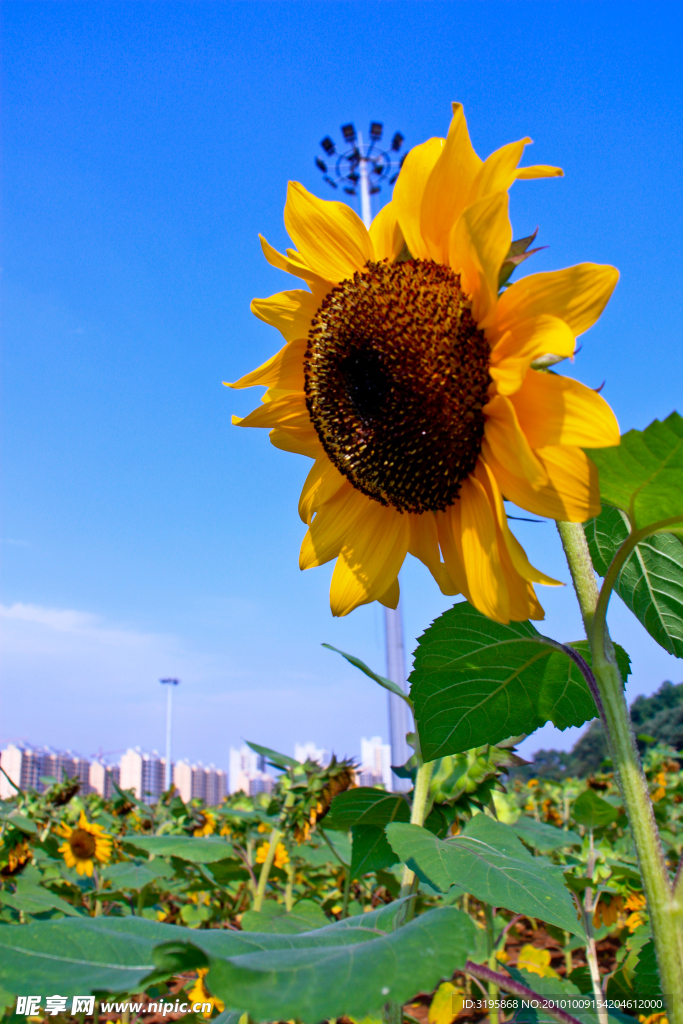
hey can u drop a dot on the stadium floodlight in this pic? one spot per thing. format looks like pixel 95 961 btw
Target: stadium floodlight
pixel 170 683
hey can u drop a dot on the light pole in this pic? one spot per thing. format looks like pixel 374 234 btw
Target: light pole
pixel 362 168
pixel 170 683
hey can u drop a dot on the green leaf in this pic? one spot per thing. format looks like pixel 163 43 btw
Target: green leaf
pixel 196 851
pixel 592 811
pixel 650 582
pixel 347 969
pixel 476 681
pixel 488 861
pixel 279 760
pixel 37 900
pixel 388 684
pixel 129 875
pixel 370 850
pixel 623 659
pixel 19 821
pixel 544 837
pixel 643 476
pixel 273 919
pixel 366 806
pixel 646 976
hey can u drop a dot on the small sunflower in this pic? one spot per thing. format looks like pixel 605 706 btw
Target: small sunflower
pixel 200 994
pixel 205 824
pixel 85 844
pixel 421 391
pixel 281 855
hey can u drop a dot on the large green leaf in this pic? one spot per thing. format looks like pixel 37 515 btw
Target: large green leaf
pixel 196 851
pixel 591 811
pixel 35 899
pixel 644 474
pixel 650 582
pixel 370 850
pixel 488 861
pixel 476 681
pixel 350 967
pixel 347 969
pixel 366 806
pixel 129 875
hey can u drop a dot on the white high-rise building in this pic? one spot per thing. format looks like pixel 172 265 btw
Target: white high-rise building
pixel 196 780
pixel 143 773
pixel 375 763
pixel 309 752
pixel 27 765
pixel 247 772
pixel 102 778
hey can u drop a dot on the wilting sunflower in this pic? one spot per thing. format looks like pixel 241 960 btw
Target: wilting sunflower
pixel 84 845
pixel 409 378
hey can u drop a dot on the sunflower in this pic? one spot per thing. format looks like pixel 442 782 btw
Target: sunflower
pixel 200 994
pixel 421 391
pixel 85 844
pixel 205 824
pixel 281 855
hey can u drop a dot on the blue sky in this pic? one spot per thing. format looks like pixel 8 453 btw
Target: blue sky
pixel 146 145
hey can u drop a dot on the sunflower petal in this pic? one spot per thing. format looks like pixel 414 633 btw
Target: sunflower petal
pixel 576 294
pixel 391 597
pixel 424 544
pixel 449 529
pixel 290 312
pixel 284 370
pixel 287 410
pixel 330 236
pixel 322 483
pixel 370 559
pixel 478 244
pixel 301 440
pixel 409 189
pixel 295 267
pixel 499 170
pixel 479 550
pixel 559 410
pixel 538 171
pixel 572 493
pixel 333 522
pixel 386 235
pixel 447 191
pixel 514 353
pixel 508 441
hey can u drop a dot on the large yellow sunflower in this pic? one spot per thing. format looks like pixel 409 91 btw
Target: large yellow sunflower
pixel 410 381
pixel 84 845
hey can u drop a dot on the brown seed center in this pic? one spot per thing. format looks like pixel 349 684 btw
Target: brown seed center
pixel 82 844
pixel 396 378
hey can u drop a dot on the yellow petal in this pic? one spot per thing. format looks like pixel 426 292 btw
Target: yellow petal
pixel 514 353
pixel 577 294
pixel 290 312
pixel 571 494
pixel 386 235
pixel 448 187
pixel 300 440
pixel 559 410
pixel 499 170
pixel 287 410
pixel 295 267
pixel 333 522
pixel 409 190
pixel 392 596
pixel 284 370
pixel 330 236
pixel 424 544
pixel 538 171
pixel 370 559
pixel 479 549
pixel 322 483
pixel 479 243
pixel 449 528
pixel 509 443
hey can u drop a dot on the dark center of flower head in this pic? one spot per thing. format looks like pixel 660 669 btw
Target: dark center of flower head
pixel 82 844
pixel 396 376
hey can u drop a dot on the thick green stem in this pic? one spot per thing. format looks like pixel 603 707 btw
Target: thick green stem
pixel 591 951
pixel 274 838
pixel 417 817
pixel 494 991
pixel 665 907
pixel 289 888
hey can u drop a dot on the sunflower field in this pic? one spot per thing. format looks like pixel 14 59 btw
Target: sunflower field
pixel 258 906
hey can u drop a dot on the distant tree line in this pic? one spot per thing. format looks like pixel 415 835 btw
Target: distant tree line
pixel 656 719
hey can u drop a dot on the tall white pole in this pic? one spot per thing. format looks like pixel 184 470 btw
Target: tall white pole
pixel 399 713
pixel 169 684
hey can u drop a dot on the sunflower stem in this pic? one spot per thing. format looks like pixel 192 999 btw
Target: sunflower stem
pixel 417 817
pixel 664 906
pixel 275 837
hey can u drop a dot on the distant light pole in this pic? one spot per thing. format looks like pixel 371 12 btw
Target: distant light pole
pixel 170 683
pixel 363 167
